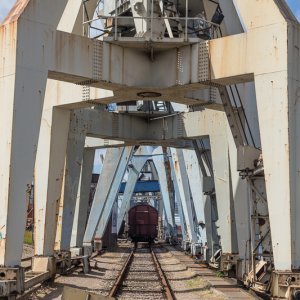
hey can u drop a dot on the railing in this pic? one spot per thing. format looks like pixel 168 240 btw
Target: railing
pixel 115 18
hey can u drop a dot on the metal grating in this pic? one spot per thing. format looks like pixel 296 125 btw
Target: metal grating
pixel 96 70
pixel 179 67
pixel 203 62
pixel 97 59
pixel 86 93
pixel 213 92
pixel 180 128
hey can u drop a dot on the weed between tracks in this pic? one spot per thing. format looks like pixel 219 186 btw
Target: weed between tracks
pixel 28 240
pixel 197 282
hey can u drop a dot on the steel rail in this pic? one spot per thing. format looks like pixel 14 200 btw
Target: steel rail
pixel 121 275
pixel 167 288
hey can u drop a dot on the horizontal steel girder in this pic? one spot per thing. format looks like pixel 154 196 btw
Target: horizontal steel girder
pixel 183 126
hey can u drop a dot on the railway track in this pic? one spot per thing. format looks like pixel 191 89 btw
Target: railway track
pixel 143 272
pixel 142 277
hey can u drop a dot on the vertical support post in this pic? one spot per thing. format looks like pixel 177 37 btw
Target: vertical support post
pixel 107 188
pixel 181 214
pixel 182 185
pixel 160 220
pixel 106 177
pixel 210 235
pixel 279 128
pixel 83 18
pixel 49 171
pixel 19 131
pixel 60 211
pixel 239 199
pixel 211 231
pixel 159 162
pixel 152 8
pixel 74 160
pixel 116 20
pixel 23 78
pixel 186 18
pixel 221 170
pixel 195 180
pixel 216 236
pixel 82 200
pixel 114 191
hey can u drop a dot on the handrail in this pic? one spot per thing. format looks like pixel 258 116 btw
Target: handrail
pixel 160 18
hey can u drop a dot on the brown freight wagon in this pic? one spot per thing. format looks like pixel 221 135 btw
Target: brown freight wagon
pixel 143 222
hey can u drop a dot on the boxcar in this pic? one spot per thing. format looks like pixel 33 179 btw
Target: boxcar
pixel 142 222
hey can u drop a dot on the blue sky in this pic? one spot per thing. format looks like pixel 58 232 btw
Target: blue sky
pixel 5 6
pixel 295 7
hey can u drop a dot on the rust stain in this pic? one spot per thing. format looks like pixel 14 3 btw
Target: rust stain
pixel 8 37
pixel 261 221
pixel 2 248
pixel 176 166
pixel 16 11
pixel 168 171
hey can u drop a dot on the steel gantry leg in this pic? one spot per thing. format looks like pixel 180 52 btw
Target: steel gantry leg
pixel 211 232
pixel 182 187
pixel 23 78
pixel 49 165
pixel 159 161
pixel 110 165
pixel 113 193
pixel 74 161
pixel 239 200
pixel 19 131
pixel 137 163
pixel 221 169
pixel 111 176
pixel 279 137
pixel 82 200
pixel 204 159
pixel 196 182
pixel 181 214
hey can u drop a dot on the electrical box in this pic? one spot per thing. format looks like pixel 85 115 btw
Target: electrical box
pixel 247 157
pixel 208 184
